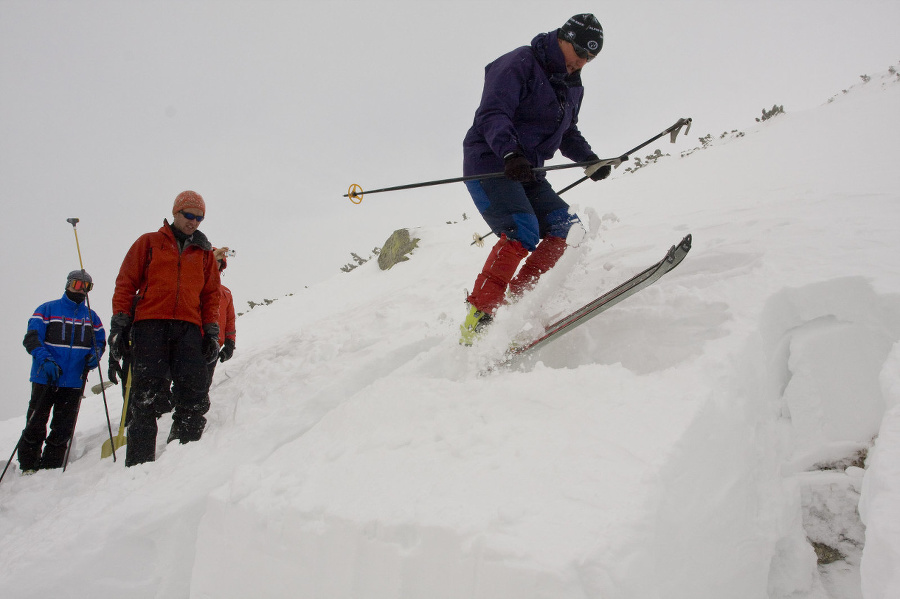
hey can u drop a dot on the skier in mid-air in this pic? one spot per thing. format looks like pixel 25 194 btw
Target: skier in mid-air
pixel 529 110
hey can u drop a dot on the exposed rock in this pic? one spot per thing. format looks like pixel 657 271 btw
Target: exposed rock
pixel 395 249
pixel 826 554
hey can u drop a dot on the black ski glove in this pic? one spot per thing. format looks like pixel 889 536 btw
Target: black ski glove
pixel 227 350
pixel 119 331
pixel 597 172
pixel 517 168
pixel 115 370
pixel 210 342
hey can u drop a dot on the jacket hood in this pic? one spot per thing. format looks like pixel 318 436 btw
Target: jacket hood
pixel 198 238
pixel 547 50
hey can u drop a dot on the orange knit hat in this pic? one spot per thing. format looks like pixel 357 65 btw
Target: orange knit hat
pixel 187 200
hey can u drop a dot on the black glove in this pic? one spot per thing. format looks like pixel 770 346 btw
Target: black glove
pixel 115 369
pixel 601 173
pixel 210 342
pixel 517 168
pixel 597 172
pixel 119 331
pixel 227 350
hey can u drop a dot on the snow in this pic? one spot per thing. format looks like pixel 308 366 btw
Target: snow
pixel 692 442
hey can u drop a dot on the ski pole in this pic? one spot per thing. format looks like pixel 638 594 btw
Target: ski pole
pixel 37 408
pixel 84 377
pixel 674 130
pixel 87 299
pixel 121 439
pixel 355 193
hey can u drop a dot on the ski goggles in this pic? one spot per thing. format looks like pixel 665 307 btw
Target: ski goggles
pixel 582 53
pixel 79 285
pixel 192 216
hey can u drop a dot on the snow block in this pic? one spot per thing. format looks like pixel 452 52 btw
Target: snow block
pixel 460 492
pixel 879 505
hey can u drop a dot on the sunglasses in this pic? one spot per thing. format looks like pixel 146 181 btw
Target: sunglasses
pixel 582 53
pixel 78 285
pixel 191 216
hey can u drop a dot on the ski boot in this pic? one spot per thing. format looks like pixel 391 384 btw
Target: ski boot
pixel 474 326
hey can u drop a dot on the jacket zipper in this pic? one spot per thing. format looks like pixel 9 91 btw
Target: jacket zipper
pixel 177 281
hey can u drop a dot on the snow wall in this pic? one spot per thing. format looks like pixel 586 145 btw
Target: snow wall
pixel 531 494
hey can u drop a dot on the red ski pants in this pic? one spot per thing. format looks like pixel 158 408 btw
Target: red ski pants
pixel 542 259
pixel 498 271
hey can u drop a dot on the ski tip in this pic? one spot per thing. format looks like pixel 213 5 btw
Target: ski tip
pixel 684 246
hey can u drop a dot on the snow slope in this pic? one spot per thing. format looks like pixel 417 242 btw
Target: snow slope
pixel 689 443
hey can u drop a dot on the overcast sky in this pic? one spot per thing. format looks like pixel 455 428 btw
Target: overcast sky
pixel 271 109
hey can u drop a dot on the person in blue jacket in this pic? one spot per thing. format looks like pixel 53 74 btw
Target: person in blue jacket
pixel 65 339
pixel 529 110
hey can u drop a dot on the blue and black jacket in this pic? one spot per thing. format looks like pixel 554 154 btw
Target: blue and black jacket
pixel 67 333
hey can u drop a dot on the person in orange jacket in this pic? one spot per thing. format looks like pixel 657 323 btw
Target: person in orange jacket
pixel 226 317
pixel 166 313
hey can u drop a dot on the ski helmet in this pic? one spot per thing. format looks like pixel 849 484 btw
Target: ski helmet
pixel 585 31
pixel 83 276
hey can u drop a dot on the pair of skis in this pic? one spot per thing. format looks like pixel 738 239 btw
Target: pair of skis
pixel 640 281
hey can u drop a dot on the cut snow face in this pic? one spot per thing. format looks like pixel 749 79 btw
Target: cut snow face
pixel 673 446
pixel 828 343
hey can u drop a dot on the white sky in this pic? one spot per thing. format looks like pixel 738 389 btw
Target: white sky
pixel 271 110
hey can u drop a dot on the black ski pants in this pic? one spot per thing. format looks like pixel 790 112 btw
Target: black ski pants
pixel 63 401
pixel 163 403
pixel 210 370
pixel 164 349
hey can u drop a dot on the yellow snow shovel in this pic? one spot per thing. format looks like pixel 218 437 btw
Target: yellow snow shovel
pixel 120 439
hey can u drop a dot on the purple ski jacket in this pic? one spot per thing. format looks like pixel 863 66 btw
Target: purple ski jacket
pixel 529 104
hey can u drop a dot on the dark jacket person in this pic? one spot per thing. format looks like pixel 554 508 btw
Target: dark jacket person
pixel 529 111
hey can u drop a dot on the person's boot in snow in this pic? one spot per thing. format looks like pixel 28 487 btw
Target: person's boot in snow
pixel 174 433
pixel 490 286
pixel 473 327
pixel 29 453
